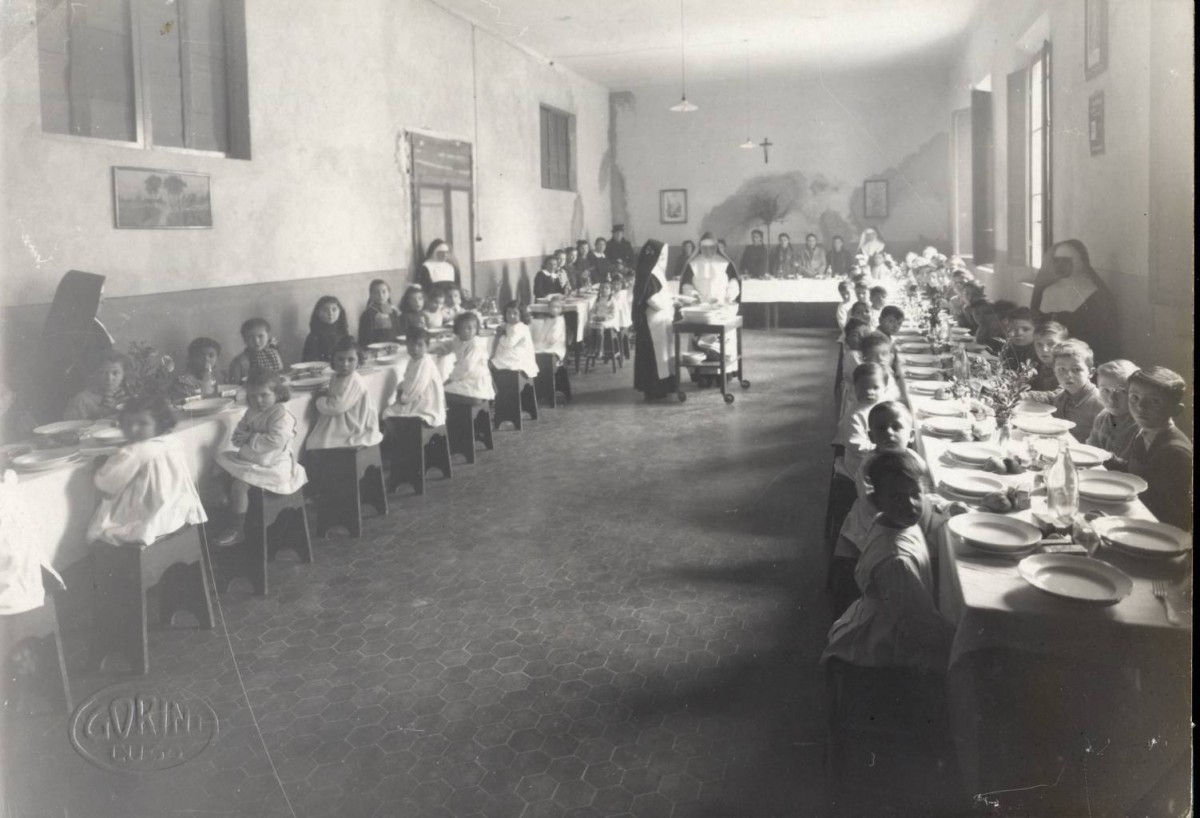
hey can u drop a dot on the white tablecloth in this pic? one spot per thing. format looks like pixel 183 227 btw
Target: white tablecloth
pixel 61 501
pixel 581 307
pixel 786 290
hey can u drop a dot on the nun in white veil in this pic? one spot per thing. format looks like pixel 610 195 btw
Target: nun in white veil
pixel 869 243
pixel 711 277
pixel 438 267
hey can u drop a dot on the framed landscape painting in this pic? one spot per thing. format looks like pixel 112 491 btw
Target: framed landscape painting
pixel 672 206
pixel 148 199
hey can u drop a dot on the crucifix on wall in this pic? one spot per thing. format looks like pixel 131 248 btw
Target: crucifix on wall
pixel 766 144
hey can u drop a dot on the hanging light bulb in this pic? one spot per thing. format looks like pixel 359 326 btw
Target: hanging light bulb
pixel 683 106
pixel 749 143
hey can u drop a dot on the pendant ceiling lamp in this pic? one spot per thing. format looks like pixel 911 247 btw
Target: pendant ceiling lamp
pixel 683 106
pixel 749 143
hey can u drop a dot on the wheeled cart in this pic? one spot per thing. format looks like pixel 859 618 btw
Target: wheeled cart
pixel 688 328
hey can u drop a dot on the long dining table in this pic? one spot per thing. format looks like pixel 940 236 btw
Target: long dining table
pixel 1014 644
pixel 61 500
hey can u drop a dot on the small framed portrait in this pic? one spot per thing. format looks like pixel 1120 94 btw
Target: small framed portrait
pixel 672 206
pixel 148 199
pixel 875 199
pixel 1096 123
pixel 1095 37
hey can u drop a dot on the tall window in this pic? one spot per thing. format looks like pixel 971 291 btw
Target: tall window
pixel 558 149
pixel 1038 151
pixel 157 73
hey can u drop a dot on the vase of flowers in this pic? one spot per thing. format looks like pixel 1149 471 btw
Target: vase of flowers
pixel 149 372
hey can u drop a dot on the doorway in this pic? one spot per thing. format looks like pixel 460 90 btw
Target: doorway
pixel 443 200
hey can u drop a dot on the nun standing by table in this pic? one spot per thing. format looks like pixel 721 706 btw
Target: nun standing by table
pixel 711 277
pixel 438 267
pixel 71 332
pixel 653 314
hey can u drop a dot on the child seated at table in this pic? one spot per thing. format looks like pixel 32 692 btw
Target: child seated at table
pixel 868 384
pixel 145 488
pixel 1076 398
pixel 896 622
pixel 846 293
pixel 346 416
pixel 434 309
pixel 412 311
pixel 877 348
pixel 856 330
pixel 105 391
pixel 261 351
pixel 513 347
pixel 1114 427
pixel 623 301
pixel 549 332
pixel 421 394
pixel 1019 350
pixel 203 356
pixel 380 321
pixel 470 379
pixel 326 326
pixel 1160 453
pixel 453 302
pixel 891 319
pixel 878 299
pixel 1046 337
pixel 264 456
pixel 603 316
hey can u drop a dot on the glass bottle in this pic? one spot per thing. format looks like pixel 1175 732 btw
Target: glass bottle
pixel 1062 485
pixel 208 382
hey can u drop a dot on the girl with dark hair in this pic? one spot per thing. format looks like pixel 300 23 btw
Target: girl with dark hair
pixel 380 321
pixel 326 326
pixel 1068 290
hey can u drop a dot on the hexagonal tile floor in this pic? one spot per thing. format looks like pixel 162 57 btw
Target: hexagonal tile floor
pixel 599 618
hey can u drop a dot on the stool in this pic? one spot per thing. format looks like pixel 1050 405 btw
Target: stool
pixel 344 479
pixel 609 348
pixel 274 522
pixel 551 380
pixel 514 395
pixel 49 671
pixel 842 494
pixel 123 574
pixel 468 422
pixel 413 448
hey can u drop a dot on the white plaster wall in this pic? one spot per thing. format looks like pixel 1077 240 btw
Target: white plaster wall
pixel 849 126
pixel 332 88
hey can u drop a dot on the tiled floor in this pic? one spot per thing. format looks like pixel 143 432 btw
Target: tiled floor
pixel 603 616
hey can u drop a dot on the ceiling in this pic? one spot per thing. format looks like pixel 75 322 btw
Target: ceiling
pixel 628 43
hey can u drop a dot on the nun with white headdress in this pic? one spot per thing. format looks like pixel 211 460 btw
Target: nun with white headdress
pixel 653 314
pixel 438 267
pixel 711 277
pixel 869 243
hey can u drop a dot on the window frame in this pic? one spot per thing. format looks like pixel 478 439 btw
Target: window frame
pixel 1039 204
pixel 548 148
pixel 143 113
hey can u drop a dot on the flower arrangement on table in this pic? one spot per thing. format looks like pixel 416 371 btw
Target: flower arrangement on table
pixel 149 372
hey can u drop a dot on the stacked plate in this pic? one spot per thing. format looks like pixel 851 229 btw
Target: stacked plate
pixel 913 346
pixel 1086 457
pixel 66 431
pixel 108 437
pixel 46 459
pixel 971 484
pixel 1032 408
pixel 942 408
pixel 206 406
pixel 1042 425
pixel 1110 486
pixel 924 373
pixel 308 382
pixel 996 533
pixel 946 427
pixel 1077 578
pixel 973 454
pixel 926 359
pixel 926 387
pixel 313 366
pixel 1143 538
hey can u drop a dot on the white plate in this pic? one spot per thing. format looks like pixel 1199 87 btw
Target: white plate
pixel 304 366
pixel 387 359
pixel 1033 408
pixel 946 426
pixel 1110 486
pixel 1085 456
pixel 46 459
pixel 308 383
pixel 942 408
pixel 110 437
pixel 912 347
pixel 1147 538
pixel 926 388
pixel 63 427
pixel 995 532
pixel 961 332
pixel 923 372
pixel 974 453
pixel 1079 578
pixel 926 359
pixel 382 345
pixel 971 484
pixel 206 406
pixel 971 346
pixel 1042 424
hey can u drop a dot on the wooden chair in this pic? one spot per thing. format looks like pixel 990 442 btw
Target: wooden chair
pixel 413 448
pixel 123 575
pixel 608 348
pixel 47 673
pixel 274 522
pixel 468 422
pixel 514 395
pixel 343 480
pixel 551 380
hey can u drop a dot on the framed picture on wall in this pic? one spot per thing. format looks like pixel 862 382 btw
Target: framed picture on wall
pixel 1095 37
pixel 1096 123
pixel 875 199
pixel 149 199
pixel 672 206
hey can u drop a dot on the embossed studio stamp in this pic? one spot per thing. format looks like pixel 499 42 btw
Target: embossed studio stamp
pixel 139 728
